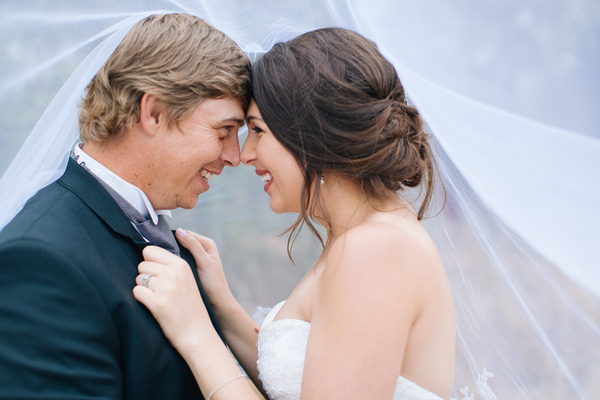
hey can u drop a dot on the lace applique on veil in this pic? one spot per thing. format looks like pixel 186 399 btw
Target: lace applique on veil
pixel 482 387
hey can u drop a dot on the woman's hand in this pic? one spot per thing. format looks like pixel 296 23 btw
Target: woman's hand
pixel 166 286
pixel 171 294
pixel 210 269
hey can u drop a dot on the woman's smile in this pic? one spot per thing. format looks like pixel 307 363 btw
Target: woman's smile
pixel 268 180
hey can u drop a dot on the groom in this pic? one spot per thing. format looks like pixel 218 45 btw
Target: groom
pixel 157 122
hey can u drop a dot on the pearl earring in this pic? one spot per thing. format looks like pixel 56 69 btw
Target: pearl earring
pixel 322 179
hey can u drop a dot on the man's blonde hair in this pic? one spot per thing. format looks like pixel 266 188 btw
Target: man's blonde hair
pixel 178 58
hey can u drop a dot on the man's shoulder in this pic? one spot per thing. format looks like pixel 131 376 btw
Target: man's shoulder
pixel 46 216
pixel 57 227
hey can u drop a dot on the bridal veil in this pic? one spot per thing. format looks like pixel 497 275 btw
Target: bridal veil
pixel 508 90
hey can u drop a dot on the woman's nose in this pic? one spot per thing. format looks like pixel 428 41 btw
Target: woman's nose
pixel 248 154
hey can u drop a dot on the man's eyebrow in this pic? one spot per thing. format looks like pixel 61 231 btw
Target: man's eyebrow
pixel 238 121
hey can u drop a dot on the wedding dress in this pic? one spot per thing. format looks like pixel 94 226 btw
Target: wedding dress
pixel 281 354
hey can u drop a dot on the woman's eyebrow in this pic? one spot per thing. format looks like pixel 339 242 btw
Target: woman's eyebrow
pixel 253 117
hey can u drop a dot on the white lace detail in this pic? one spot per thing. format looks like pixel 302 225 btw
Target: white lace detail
pixel 281 354
pixel 484 390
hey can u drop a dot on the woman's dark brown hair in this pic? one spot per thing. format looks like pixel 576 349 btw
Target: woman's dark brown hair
pixel 337 105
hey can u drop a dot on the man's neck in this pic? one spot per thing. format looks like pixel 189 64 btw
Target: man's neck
pixel 132 193
pixel 112 156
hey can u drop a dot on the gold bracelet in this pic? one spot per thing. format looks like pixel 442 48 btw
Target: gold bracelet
pixel 223 384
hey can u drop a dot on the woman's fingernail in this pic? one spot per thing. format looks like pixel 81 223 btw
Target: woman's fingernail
pixel 181 233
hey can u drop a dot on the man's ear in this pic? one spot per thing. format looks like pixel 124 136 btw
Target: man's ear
pixel 151 115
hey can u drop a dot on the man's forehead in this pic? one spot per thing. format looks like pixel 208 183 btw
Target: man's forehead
pixel 222 111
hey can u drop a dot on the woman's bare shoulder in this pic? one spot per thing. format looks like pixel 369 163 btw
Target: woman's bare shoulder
pixel 381 254
pixel 392 244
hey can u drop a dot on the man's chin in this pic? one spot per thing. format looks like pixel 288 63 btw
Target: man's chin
pixel 188 205
pixel 190 202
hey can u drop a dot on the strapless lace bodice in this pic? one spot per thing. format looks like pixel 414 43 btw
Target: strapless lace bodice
pixel 281 353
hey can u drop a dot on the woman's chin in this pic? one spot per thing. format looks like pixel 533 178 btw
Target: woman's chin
pixel 276 209
pixel 279 208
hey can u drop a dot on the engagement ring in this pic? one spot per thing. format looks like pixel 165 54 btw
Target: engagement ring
pixel 146 278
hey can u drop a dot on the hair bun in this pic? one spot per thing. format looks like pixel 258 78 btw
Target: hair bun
pixel 402 120
pixel 398 95
pixel 408 152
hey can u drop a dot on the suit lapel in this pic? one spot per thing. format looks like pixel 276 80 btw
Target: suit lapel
pixel 90 191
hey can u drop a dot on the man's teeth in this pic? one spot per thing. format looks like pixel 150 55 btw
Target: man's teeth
pixel 266 177
pixel 206 175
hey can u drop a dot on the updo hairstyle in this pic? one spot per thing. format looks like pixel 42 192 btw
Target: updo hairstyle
pixel 337 105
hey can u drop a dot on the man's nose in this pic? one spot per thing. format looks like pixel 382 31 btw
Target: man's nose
pixel 231 151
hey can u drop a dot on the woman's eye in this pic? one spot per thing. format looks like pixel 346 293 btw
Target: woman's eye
pixel 257 130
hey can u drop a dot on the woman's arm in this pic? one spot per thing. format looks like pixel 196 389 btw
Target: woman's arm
pixel 173 298
pixel 239 329
pixel 368 298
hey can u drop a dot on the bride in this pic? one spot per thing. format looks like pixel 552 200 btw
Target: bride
pixel 333 139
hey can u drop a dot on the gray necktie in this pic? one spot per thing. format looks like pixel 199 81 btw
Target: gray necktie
pixel 159 234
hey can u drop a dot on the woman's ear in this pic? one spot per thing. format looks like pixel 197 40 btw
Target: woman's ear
pixel 151 115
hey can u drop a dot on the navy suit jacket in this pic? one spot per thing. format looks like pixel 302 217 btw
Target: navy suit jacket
pixel 70 327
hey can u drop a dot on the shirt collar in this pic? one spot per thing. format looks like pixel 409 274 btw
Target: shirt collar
pixel 134 195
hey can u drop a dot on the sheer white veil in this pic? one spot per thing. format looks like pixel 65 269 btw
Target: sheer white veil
pixel 508 90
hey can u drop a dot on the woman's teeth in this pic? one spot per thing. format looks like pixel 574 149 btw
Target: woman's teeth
pixel 266 177
pixel 206 175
